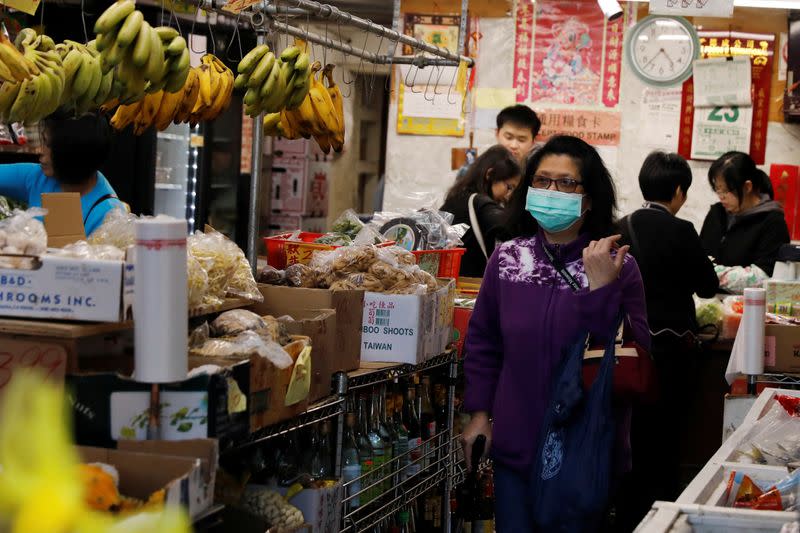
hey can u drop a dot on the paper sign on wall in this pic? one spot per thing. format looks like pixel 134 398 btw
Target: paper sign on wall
pixel 692 8
pixel 718 130
pixel 661 112
pixel 26 6
pixel 722 82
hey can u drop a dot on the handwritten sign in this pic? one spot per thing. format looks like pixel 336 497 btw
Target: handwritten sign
pixel 692 8
pixel 49 359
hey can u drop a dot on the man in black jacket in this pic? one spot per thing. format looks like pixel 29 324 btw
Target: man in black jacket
pixel 674 267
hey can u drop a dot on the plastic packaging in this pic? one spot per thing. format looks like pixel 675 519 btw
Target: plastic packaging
pixel 117 229
pixel 199 335
pixel 300 275
pixel 732 310
pixel 5 135
pixel 245 344
pixel 334 239
pixel 272 276
pixel 347 224
pixel 198 282
pixel 84 250
pixel 236 321
pixel 737 279
pixel 23 234
pixel 226 266
pixel 709 312
pixel 5 208
pixel 774 439
pixel 424 229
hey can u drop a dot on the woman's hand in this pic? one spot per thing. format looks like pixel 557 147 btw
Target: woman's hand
pixel 478 425
pixel 601 268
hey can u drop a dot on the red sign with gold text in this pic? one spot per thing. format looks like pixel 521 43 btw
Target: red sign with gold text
pixel 523 50
pixel 760 48
pixel 784 183
pixel 613 62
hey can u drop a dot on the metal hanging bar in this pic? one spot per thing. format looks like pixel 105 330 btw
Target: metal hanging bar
pixel 326 11
pixel 282 27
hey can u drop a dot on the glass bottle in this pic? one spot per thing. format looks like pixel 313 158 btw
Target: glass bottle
pixel 387 432
pixel 428 422
pixel 381 448
pixel 440 396
pixel 411 419
pixel 365 452
pixel 321 452
pixel 288 466
pixel 351 461
pixel 405 518
pixel 396 419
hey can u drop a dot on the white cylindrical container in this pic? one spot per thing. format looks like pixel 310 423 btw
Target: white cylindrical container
pixel 755 305
pixel 161 321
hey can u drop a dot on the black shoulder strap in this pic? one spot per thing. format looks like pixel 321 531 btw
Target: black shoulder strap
pixel 562 270
pixel 98 202
pixel 635 249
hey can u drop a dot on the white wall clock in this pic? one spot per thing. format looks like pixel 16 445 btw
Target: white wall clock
pixel 661 50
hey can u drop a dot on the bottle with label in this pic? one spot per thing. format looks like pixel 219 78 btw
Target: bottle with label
pixel 351 461
pixel 396 419
pixel 387 431
pixel 428 422
pixel 379 440
pixel 411 419
pixel 365 452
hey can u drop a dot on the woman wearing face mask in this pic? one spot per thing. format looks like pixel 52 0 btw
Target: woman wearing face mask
pixel 477 199
pixel 562 277
pixel 747 227
pixel 72 151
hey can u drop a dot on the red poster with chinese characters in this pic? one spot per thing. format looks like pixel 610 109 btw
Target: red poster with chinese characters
pixel 568 54
pixel 784 182
pixel 760 48
pixel 523 50
pixel 612 65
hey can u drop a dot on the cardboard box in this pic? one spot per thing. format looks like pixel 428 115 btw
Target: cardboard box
pixel 321 508
pixel 461 318
pixel 63 288
pixel 64 218
pixel 347 304
pixel 407 328
pixel 782 348
pixel 186 473
pixel 320 326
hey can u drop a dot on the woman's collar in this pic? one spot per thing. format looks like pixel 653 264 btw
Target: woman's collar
pixel 567 252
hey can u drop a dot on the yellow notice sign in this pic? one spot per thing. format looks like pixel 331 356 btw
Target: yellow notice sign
pixel 300 384
pixel 487 98
pixel 26 6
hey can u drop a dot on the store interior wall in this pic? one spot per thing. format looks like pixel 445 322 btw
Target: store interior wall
pixel 429 168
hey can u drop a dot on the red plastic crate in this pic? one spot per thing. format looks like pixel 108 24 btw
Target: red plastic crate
pixel 448 261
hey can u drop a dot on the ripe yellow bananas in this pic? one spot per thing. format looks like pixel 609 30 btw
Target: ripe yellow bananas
pixel 14 66
pixel 161 108
pixel 320 115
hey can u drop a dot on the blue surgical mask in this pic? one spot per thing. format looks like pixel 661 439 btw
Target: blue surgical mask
pixel 555 211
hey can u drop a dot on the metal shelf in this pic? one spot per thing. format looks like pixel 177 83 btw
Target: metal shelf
pixel 780 379
pixel 370 377
pixel 330 407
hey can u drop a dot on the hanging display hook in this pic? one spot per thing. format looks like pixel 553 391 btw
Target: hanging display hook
pixel 388 85
pixel 191 32
pixel 237 36
pixel 344 61
pixel 450 88
pixel 374 69
pixel 83 21
pixel 414 81
pixel 428 84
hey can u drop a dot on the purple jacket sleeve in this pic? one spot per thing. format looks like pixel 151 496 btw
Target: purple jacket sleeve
pixel 484 344
pixel 599 309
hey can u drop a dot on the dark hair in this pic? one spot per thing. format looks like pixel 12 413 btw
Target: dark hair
pixel 597 184
pixel 496 164
pixel 737 168
pixel 661 174
pixel 78 146
pixel 521 116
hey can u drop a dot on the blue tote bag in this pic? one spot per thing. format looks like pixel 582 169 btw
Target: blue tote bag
pixel 572 468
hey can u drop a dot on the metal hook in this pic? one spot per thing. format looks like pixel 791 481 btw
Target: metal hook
pixel 191 31
pixel 344 58
pixel 210 34
pixel 450 87
pixel 388 85
pixel 174 17
pixel 414 81
pixel 325 48
pixel 41 19
pixel 438 79
pixel 83 21
pixel 236 34
pixel 428 84
pixel 374 69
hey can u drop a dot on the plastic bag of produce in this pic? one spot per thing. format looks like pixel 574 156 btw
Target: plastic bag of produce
pixel 334 239
pixel 84 250
pixel 272 276
pixel 775 438
pixel 22 233
pixel 245 344
pixel 424 229
pixel 118 229
pixel 198 282
pixel 737 279
pixel 299 275
pixel 709 312
pixel 732 310
pixel 228 270
pixel 5 208
pixel 236 321
pixel 348 224
pixel 243 284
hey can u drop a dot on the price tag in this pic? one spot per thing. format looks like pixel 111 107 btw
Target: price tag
pixel 49 359
pixel 26 6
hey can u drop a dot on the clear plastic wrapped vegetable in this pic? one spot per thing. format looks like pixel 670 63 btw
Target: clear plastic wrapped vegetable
pixel 118 229
pixel 23 234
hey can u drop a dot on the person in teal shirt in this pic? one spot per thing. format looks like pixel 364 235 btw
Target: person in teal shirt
pixel 72 151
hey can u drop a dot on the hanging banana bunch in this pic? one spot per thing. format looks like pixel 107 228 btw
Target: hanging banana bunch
pixel 146 59
pixel 320 115
pixel 205 94
pixel 86 88
pixel 273 83
pixel 14 67
pixel 39 95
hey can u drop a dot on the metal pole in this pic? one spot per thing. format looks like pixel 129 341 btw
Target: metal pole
pixel 294 31
pixel 448 480
pixel 462 29
pixel 326 11
pixel 340 389
pixel 255 179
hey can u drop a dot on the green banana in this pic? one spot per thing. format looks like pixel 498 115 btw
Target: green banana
pixel 156 66
pixel 130 29
pixel 241 81
pixel 104 90
pixel 72 62
pixel 261 71
pixel 272 81
pixel 8 93
pixel 175 80
pixel 111 57
pixel 182 63
pixel 250 97
pixel 83 77
pixel 166 33
pixel 290 54
pixel 303 62
pixel 176 46
pixel 114 15
pixel 143 46
pixel 251 59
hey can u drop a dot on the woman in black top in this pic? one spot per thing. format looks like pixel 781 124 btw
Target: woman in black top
pixel 490 179
pixel 747 227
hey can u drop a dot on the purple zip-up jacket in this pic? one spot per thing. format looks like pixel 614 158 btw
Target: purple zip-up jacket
pixel 525 316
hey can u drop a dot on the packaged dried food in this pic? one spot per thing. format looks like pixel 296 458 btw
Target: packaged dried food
pixel 236 321
pixel 118 229
pixel 300 275
pixel 270 275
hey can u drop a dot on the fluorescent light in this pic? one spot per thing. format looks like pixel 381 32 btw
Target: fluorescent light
pixel 769 4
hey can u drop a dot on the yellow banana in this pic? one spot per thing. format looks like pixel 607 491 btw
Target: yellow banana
pixel 191 95
pixel 338 106
pixel 8 93
pixel 150 106
pixel 205 84
pixel 222 97
pixel 125 115
pixel 324 143
pixel 323 106
pixel 167 110
pixel 24 102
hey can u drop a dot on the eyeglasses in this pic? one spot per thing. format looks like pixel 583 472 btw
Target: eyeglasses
pixel 722 193
pixel 562 184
